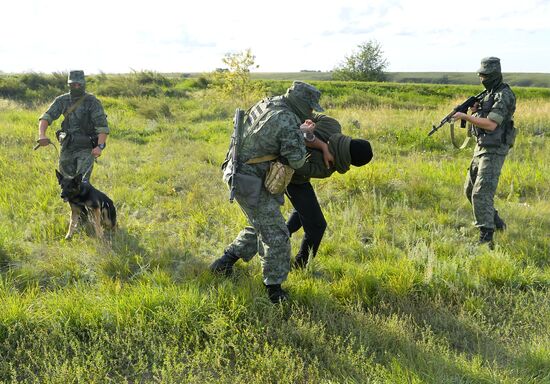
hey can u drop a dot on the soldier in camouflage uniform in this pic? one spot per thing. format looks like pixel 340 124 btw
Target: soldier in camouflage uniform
pixel 84 129
pixel 493 126
pixel 271 127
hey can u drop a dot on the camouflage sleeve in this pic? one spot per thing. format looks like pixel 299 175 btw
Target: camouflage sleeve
pixel 54 111
pixel 315 167
pixel 292 146
pixel 503 108
pixel 98 116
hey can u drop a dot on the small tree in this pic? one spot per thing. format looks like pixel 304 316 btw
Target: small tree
pixel 367 64
pixel 235 81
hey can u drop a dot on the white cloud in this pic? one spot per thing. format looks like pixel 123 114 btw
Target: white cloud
pixel 169 35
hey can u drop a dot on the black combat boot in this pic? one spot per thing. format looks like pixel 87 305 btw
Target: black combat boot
pixel 486 237
pixel 500 225
pixel 224 265
pixel 276 293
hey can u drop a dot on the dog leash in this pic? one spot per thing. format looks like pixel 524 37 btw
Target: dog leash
pixel 39 143
pixel 89 169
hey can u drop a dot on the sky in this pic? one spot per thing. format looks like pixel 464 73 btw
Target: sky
pixel 120 36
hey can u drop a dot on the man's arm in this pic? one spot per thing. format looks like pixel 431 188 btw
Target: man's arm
pixel 481 122
pixel 47 118
pixel 99 120
pixel 320 145
pixel 312 141
pixel 42 126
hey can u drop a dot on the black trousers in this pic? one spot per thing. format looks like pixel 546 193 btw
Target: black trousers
pixel 307 214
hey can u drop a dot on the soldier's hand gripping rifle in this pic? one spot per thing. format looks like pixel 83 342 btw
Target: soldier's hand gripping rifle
pixel 459 108
pixel 235 142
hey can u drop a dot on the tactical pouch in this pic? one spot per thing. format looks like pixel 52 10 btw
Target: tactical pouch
pixel 247 189
pixel 278 177
pixel 82 141
pixel 511 133
pixel 62 137
pixel 488 139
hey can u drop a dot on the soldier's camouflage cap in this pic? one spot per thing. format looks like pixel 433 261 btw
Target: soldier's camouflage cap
pixel 489 65
pixel 308 93
pixel 76 77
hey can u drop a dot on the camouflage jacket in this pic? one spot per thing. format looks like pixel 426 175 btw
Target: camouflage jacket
pixel 498 105
pixel 88 118
pixel 275 133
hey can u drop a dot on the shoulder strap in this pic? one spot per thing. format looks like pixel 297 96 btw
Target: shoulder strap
pixel 255 115
pixel 466 140
pixel 74 106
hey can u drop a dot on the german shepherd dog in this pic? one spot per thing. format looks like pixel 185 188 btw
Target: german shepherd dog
pixel 86 201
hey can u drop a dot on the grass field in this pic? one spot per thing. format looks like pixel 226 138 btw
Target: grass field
pixel 514 79
pixel 399 292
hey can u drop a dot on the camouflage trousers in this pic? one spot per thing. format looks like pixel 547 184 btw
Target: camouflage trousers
pixel 267 235
pixel 75 161
pixel 481 185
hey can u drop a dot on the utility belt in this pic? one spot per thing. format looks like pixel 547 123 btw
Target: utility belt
pixel 76 140
pixel 248 187
pixel 278 176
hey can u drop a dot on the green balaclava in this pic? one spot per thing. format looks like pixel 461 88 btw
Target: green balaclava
pixel 303 98
pixel 77 77
pixel 490 69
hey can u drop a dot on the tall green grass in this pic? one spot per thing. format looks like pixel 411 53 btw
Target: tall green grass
pixel 399 292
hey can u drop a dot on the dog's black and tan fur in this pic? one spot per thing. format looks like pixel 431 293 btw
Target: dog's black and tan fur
pixel 84 199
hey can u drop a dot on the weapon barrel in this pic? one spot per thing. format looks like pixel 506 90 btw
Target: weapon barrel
pixel 234 155
pixel 461 108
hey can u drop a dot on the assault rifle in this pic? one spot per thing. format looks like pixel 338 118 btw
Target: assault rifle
pixel 459 108
pixel 235 142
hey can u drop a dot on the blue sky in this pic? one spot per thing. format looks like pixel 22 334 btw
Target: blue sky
pixel 286 36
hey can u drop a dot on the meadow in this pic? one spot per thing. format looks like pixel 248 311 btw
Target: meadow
pixel 398 293
pixel 459 78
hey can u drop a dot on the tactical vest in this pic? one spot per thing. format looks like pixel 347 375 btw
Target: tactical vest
pixel 86 136
pixel 504 133
pixel 252 117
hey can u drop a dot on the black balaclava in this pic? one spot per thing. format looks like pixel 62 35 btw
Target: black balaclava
pixel 77 92
pixel 492 80
pixel 360 151
pixel 77 76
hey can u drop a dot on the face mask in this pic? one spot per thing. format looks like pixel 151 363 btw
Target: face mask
pixel 300 107
pixel 76 92
pixel 492 80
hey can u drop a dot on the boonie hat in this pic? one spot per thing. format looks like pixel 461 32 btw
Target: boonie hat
pixel 489 65
pixel 308 93
pixel 76 77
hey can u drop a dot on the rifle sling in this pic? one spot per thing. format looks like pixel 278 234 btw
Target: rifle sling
pixel 466 140
pixel 73 107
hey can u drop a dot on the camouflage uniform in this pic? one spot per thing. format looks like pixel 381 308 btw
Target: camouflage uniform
pixel 85 122
pixel 498 105
pixel 270 128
